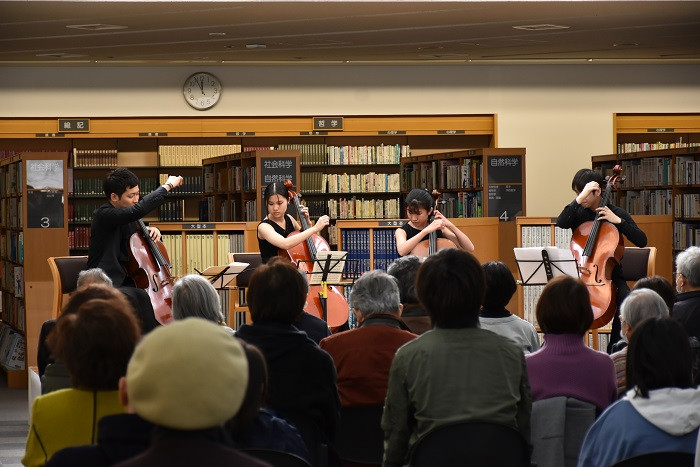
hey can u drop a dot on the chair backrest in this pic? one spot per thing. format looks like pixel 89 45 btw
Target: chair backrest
pixel 473 443
pixel 64 270
pixel 253 259
pixel 656 459
pixel 558 427
pixel 638 262
pixel 277 458
pixel 361 438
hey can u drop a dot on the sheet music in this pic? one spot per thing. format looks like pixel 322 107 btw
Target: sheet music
pixel 563 262
pixel 531 267
pixel 337 265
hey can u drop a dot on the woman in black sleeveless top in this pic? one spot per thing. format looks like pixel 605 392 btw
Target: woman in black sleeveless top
pixel 273 231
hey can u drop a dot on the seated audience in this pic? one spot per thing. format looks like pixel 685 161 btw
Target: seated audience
pixel 404 269
pixel 686 310
pixel 500 288
pixel 303 386
pixel 363 356
pixel 659 412
pixel 315 328
pixel 85 278
pixel 194 296
pixel 641 304
pixel 565 366
pixel 256 427
pixel 661 286
pixel 95 343
pixel 456 371
pixel 187 379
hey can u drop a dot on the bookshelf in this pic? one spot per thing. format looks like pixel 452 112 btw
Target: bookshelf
pixel 32 228
pixel 638 132
pixel 542 231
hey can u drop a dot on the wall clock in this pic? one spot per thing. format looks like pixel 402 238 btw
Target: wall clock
pixel 202 90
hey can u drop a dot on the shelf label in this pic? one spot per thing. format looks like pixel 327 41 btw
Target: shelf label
pixel 660 130
pixel 277 169
pixel 45 194
pixel 396 223
pixel 50 135
pixel 505 201
pixel 240 133
pixel 328 123
pixel 313 133
pixel 70 125
pixel 198 226
pixel 504 169
pixel 392 132
pixel 154 133
pixel 451 132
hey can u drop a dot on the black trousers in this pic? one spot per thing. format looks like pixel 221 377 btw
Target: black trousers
pixel 142 305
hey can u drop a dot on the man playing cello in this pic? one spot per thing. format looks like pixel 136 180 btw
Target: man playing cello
pixel 587 184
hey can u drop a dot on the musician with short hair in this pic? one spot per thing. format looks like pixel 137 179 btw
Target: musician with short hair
pixel 114 222
pixel 588 186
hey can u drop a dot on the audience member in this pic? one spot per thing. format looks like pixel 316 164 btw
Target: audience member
pixel 95 343
pixel 303 386
pixel 363 356
pixel 315 328
pixel 641 304
pixel 687 307
pixel 659 411
pixel 565 366
pixel 404 269
pixel 661 286
pixel 85 278
pixel 254 426
pixel 456 371
pixel 187 378
pixel 500 288
pixel 194 296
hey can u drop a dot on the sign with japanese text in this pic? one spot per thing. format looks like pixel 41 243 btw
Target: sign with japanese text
pixel 505 169
pixel 73 125
pixel 328 123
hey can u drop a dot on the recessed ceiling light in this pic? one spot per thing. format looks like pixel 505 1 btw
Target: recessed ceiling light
pixel 255 46
pixel 217 33
pixel 96 27
pixel 626 44
pixel 60 55
pixel 540 27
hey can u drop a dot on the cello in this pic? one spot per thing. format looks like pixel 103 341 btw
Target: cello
pixel 303 255
pixel 149 266
pixel 598 247
pixel 433 244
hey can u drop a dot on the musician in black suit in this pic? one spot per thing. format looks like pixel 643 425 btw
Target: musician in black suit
pixel 588 185
pixel 114 222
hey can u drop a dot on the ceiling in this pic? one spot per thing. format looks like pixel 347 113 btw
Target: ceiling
pixel 297 32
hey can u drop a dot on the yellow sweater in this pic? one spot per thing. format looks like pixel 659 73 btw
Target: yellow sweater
pixel 64 418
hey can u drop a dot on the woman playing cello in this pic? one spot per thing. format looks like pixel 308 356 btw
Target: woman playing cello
pixel 420 207
pixel 274 230
pixel 587 184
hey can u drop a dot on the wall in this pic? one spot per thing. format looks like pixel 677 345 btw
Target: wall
pixel 562 114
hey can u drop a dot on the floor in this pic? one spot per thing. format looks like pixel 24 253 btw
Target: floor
pixel 14 424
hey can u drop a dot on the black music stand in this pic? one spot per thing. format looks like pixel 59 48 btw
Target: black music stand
pixel 539 265
pixel 221 276
pixel 327 270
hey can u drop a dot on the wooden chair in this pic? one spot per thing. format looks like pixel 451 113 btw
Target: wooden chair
pixel 638 262
pixel 472 443
pixel 655 459
pixel 361 438
pixel 240 304
pixel 65 270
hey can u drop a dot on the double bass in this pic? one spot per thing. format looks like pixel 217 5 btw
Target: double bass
pixel 149 266
pixel 303 255
pixel 433 244
pixel 598 247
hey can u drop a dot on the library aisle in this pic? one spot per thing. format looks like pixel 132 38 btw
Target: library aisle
pixel 14 424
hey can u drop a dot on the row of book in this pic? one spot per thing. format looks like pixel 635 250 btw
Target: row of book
pixel 199 250
pixel 687 205
pixel 229 179
pixel 172 210
pixel 462 204
pixel 79 237
pixel 445 174
pixel 361 208
pixel 11 177
pixel 95 157
pixel 11 212
pixel 356 243
pixel 646 202
pixel 685 235
pixel 13 311
pixel 93 186
pixel 367 155
pixel 13 278
pixel 12 246
pixel 384 248
pixel 211 210
pixel 651 171
pixel 639 147
pixel 371 182
pixel 192 155
pixel 13 348
pixel 687 171
pixel 82 211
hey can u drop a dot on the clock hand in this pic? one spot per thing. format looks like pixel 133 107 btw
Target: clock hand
pixel 201 85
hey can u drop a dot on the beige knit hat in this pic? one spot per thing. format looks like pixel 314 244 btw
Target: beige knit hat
pixel 188 375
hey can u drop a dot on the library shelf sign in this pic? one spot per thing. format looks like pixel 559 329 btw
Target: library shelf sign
pixel 505 190
pixel 277 169
pixel 45 202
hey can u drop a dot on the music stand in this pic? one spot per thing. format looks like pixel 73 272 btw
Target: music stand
pixel 539 265
pixel 328 268
pixel 221 276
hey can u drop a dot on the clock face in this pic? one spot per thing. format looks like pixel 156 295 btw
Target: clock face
pixel 202 90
